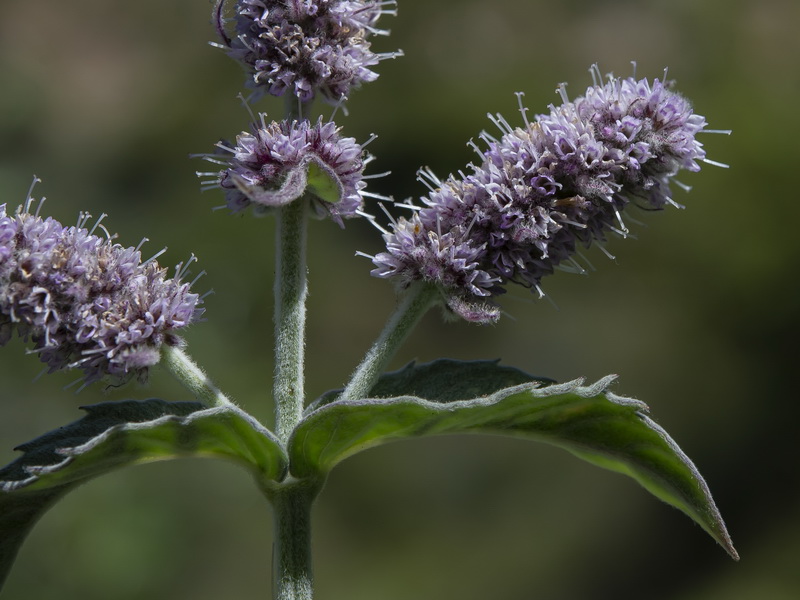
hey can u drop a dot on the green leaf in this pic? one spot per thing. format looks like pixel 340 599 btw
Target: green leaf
pixel 443 380
pixel 117 434
pixel 589 421
pixel 323 181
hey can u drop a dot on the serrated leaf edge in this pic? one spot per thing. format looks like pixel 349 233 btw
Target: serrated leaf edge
pixel 71 452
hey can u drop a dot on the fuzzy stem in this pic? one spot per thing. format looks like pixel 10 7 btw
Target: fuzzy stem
pixel 291 551
pixel 290 316
pixel 185 370
pixel 413 305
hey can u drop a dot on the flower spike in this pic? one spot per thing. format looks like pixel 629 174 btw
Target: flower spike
pixel 304 47
pixel 86 302
pixel 543 190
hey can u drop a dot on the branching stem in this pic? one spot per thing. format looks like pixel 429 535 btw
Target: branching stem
pixel 185 370
pixel 413 305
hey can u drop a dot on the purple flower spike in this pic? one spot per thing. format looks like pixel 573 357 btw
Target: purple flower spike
pixel 305 46
pixel 277 163
pixel 86 302
pixel 542 190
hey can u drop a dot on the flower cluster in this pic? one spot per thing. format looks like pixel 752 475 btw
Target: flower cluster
pixel 305 46
pixel 279 161
pixel 84 301
pixel 542 190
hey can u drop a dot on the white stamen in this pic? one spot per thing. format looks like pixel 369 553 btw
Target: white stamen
pixel 471 144
pixel 474 218
pixel 624 230
pixel 500 122
pixel 372 137
pixel 142 243
pixel 39 206
pixel 210 158
pixel 577 265
pixel 715 163
pixel 379 197
pixel 573 223
pixel 388 214
pixel 633 64
pixel 673 203
pixel 372 221
pixel 586 260
pixel 248 109
pixel 364 254
pixel 522 109
pixel 487 137
pixel 39 375
pixel 597 77
pixel 109 237
pixel 222 146
pixel 199 275
pixel 428 179
pixel 182 269
pixel 377 175
pixel 388 55
pixel 97 224
pixel 683 186
pixel 722 131
pixel 155 256
pixel 606 252
pixel 83 218
pixel 29 197
pixel 562 91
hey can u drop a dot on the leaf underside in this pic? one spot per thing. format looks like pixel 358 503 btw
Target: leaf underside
pixel 589 421
pixel 116 434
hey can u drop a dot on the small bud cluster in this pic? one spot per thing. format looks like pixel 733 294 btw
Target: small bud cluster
pixel 304 46
pixel 543 190
pixel 278 162
pixel 84 301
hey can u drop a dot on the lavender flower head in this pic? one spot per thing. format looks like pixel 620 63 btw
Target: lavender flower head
pixel 276 163
pixel 305 46
pixel 84 301
pixel 543 190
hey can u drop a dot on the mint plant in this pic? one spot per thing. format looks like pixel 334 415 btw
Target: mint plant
pixel 538 192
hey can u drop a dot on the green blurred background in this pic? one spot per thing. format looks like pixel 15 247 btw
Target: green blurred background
pixel 105 100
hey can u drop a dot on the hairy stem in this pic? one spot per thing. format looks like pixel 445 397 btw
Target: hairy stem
pixel 413 305
pixel 291 553
pixel 290 317
pixel 185 370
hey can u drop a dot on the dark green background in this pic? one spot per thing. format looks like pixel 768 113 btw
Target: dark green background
pixel 105 100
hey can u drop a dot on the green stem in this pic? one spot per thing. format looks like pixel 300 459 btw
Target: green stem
pixel 290 317
pixel 291 559
pixel 185 370
pixel 413 305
